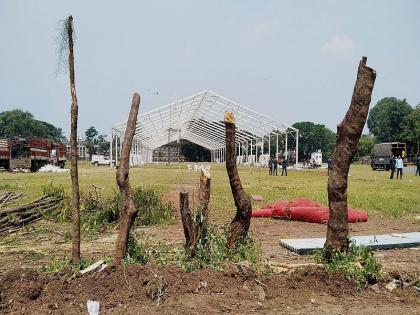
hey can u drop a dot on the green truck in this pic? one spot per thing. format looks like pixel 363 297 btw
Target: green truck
pixel 382 153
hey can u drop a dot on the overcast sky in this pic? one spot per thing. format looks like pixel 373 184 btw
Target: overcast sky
pixel 292 60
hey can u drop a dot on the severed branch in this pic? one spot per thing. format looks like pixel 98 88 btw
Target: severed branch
pixel 128 210
pixel 240 224
pixel 348 135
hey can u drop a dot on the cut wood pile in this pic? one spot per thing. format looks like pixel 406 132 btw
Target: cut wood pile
pixel 12 219
pixel 8 197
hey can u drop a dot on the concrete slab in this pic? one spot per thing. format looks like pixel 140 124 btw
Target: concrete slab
pixel 386 241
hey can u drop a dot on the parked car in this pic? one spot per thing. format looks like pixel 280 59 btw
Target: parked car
pixel 99 159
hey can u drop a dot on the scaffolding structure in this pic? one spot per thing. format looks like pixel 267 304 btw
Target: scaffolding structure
pixel 199 119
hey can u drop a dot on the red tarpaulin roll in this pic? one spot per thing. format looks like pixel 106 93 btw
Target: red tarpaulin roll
pixel 305 210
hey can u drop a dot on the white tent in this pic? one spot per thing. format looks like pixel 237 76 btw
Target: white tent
pixel 199 119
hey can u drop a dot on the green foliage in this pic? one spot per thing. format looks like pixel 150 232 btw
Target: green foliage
pixel 136 252
pixel 387 118
pixel 23 124
pixel 63 263
pixel 96 211
pixel 365 145
pixel 411 130
pixel 314 137
pixel 213 254
pixel 152 210
pixel 358 264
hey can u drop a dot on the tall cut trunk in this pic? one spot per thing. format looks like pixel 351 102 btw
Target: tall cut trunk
pixel 128 211
pixel 240 224
pixel 75 201
pixel 348 135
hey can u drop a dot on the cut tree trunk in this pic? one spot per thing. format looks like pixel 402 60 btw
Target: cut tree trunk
pixel 75 201
pixel 128 211
pixel 348 135
pixel 195 231
pixel 240 224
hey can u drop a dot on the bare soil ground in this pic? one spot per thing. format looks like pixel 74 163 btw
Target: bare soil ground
pixel 140 290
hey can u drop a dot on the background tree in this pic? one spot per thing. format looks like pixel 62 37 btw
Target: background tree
pixel 102 144
pixel 411 130
pixel 23 124
pixel 314 137
pixel 90 137
pixel 387 119
pixel 365 145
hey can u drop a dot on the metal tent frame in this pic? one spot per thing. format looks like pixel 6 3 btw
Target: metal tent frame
pixel 199 119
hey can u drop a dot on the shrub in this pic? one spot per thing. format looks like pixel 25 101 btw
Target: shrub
pixel 358 264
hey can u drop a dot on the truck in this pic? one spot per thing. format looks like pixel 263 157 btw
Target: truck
pixel 316 158
pixel 30 153
pixel 383 152
pixel 99 159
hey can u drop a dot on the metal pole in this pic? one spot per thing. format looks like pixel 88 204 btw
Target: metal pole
pixel 297 147
pixel 285 150
pixel 269 144
pixel 277 145
pixel 110 149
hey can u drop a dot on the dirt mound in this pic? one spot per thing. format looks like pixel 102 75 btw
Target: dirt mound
pixel 147 290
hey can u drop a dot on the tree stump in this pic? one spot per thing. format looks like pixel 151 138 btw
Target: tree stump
pixel 240 224
pixel 195 228
pixel 348 135
pixel 128 210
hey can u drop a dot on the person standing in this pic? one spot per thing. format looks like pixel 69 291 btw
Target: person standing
pixel 275 166
pixel 392 166
pixel 270 167
pixel 418 165
pixel 399 165
pixel 284 167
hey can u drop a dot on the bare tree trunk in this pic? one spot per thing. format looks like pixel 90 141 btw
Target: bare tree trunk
pixel 240 224
pixel 348 135
pixel 75 201
pixel 195 231
pixel 128 211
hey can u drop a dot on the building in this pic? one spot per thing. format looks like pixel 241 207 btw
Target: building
pixel 171 150
pixel 82 152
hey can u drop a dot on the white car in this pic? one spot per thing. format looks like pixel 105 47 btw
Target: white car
pixel 100 160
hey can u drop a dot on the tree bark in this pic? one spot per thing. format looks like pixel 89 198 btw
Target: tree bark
pixel 128 211
pixel 75 201
pixel 240 224
pixel 348 135
pixel 195 231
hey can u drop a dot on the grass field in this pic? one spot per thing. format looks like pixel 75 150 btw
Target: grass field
pixel 369 190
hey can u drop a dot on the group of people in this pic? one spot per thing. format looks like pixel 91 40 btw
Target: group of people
pixel 273 164
pixel 396 163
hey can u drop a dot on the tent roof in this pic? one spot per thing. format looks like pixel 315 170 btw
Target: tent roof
pixel 199 119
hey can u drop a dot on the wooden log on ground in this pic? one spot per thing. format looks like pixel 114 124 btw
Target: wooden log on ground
pixel 128 211
pixel 240 224
pixel 348 135
pixel 28 206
